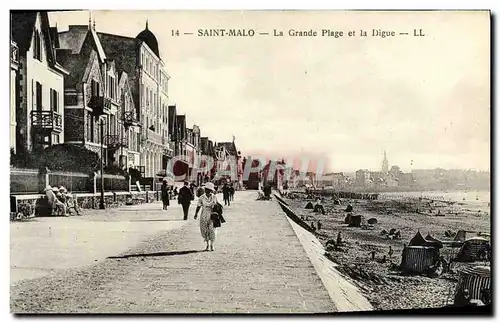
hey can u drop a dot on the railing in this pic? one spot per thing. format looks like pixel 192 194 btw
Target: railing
pixel 49 120
pixel 100 105
pixel 169 147
pixel 154 137
pixel 116 141
pixel 14 53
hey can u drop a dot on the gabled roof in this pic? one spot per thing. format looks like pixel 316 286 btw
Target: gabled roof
pixel 75 37
pixel 22 26
pixel 229 146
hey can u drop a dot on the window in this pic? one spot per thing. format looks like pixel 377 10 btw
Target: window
pixel 37 46
pixel 54 98
pixel 112 89
pixel 94 88
pixel 38 96
pixel 91 127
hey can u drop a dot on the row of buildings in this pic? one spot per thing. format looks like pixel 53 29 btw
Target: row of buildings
pixel 104 92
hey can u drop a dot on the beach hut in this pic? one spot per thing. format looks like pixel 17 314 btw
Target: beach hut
pixel 309 206
pixel 475 280
pixel 418 259
pixel 347 219
pixel 472 249
pixel 355 220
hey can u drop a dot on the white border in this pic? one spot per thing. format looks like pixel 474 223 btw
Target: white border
pixel 190 4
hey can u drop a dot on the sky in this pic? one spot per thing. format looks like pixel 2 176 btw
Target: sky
pixel 425 100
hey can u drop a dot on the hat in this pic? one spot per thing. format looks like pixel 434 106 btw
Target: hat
pixel 63 189
pixel 209 186
pixel 55 189
pixel 48 188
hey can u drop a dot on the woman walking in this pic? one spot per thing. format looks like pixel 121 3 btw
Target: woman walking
pixel 165 194
pixel 206 202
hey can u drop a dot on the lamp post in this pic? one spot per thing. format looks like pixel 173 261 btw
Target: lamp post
pixel 101 202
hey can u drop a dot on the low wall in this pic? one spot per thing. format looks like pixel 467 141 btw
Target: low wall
pixel 27 204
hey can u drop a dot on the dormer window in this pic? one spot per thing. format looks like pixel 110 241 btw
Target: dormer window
pixel 37 46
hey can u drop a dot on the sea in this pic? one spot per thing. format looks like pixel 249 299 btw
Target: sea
pixel 474 200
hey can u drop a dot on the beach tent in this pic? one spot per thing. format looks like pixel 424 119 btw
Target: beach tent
pixel 419 240
pixel 355 220
pixel 433 242
pixel 472 249
pixel 418 259
pixel 474 280
pixel 347 219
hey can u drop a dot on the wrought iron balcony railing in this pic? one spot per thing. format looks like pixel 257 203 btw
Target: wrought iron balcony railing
pixel 100 105
pixel 50 121
pixel 14 53
pixel 116 141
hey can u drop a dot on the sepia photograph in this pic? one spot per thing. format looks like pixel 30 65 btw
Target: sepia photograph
pixel 250 161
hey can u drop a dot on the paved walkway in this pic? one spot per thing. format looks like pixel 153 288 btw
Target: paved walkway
pixel 258 266
pixel 40 246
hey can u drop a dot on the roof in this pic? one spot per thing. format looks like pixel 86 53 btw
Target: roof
pixel 230 147
pixel 124 51
pixel 22 26
pixel 483 271
pixel 150 39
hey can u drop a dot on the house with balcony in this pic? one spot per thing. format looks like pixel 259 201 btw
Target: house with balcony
pixel 140 58
pixel 228 157
pixel 90 93
pixel 39 90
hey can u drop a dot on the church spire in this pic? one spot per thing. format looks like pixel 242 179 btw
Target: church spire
pixel 90 19
pixel 146 23
pixel 385 163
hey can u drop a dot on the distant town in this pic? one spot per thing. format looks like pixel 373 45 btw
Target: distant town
pixel 388 179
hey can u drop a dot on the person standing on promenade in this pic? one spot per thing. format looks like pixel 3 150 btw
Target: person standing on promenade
pixel 206 203
pixel 225 194
pixel 165 196
pixel 231 192
pixel 185 198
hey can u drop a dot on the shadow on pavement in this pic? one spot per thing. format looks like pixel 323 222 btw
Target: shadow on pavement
pixel 157 254
pixel 152 220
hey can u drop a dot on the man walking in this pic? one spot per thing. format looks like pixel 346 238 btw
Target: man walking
pixel 225 194
pixel 185 198
pixel 231 192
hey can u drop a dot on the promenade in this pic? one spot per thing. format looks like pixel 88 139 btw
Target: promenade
pixel 258 266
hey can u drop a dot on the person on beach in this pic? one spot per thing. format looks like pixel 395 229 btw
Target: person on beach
pixel 57 206
pixel 226 194
pixel 231 192
pixel 71 203
pixel 185 198
pixel 206 203
pixel 165 195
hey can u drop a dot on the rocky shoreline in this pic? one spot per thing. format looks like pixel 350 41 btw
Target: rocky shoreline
pixel 371 260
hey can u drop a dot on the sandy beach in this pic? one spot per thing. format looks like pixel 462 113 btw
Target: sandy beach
pixel 381 281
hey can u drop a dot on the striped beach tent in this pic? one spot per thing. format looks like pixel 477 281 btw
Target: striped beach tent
pixel 472 249
pixel 474 280
pixel 418 259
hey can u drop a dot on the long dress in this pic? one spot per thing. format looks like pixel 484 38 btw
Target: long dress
pixel 206 225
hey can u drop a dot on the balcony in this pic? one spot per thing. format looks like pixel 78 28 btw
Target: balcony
pixel 14 54
pixel 169 148
pixel 154 137
pixel 46 121
pixel 129 119
pixel 115 142
pixel 100 105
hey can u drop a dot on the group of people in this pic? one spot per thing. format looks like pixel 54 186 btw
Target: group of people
pixel 211 210
pixel 60 202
